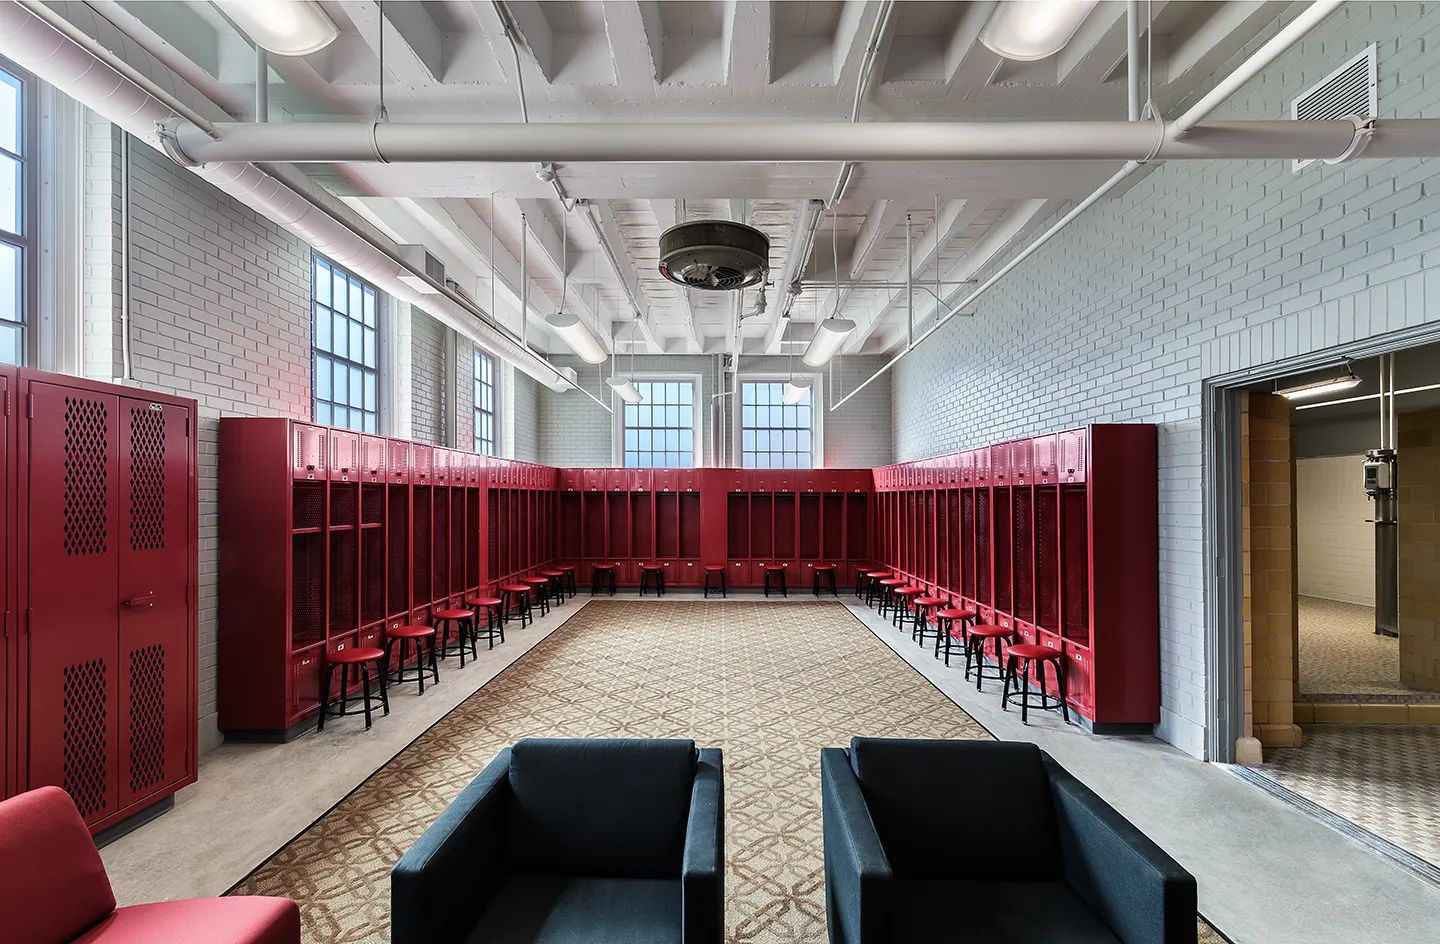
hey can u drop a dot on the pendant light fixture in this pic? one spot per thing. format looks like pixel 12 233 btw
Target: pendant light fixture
pixel 1033 29
pixel 1344 381
pixel 624 387
pixel 831 333
pixel 796 389
pixel 283 27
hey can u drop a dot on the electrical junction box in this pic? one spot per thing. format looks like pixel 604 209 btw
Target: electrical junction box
pixel 1377 475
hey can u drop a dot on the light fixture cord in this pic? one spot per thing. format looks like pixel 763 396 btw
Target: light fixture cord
pixel 835 256
pixel 564 261
pixel 380 113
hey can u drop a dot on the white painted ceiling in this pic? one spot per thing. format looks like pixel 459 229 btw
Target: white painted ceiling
pixel 698 60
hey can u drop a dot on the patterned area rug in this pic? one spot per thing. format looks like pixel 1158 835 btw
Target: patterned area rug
pixel 769 684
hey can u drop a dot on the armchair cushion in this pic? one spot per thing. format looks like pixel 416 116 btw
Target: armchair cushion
pixel 239 920
pixel 943 912
pixel 54 885
pixel 1009 825
pixel 611 808
pixel 558 909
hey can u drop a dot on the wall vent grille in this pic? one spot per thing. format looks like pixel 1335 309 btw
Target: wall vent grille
pixel 1352 89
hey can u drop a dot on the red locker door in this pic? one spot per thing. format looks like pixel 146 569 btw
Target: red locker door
pixel 308 446
pixel 372 459
pixel 153 541
pixel 344 455
pixel 74 539
pixel 1044 453
pixel 1073 456
pixel 398 462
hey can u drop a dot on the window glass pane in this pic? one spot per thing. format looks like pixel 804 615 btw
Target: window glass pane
pixel 369 347
pixel 357 340
pixel 357 299
pixel 370 398
pixel 644 414
pixel 632 414
pixel 644 439
pixel 322 376
pixel 687 441
pixel 357 387
pixel 632 439
pixel 342 385
pixel 322 412
pixel 10 208
pixel 10 113
pixel 370 308
pixel 322 328
pixel 687 393
pixel 747 413
pixel 341 335
pixel 370 422
pixel 672 439
pixel 12 344
pixel 342 416
pixel 342 291
pixel 687 415
pixel 672 416
pixel 322 282
pixel 11 273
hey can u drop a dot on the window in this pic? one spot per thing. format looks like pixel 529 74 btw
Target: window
pixel 660 430
pixel 774 435
pixel 17 211
pixel 343 340
pixel 484 404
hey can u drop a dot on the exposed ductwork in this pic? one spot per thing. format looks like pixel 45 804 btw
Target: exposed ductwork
pixel 759 142
pixel 290 199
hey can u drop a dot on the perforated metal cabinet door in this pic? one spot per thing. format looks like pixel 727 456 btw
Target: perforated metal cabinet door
pixel 153 538
pixel 75 537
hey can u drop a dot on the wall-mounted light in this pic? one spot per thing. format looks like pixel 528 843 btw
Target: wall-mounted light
pixel 1026 30
pixel 626 390
pixel 796 390
pixel 829 335
pixel 284 27
pixel 574 333
pixel 1345 381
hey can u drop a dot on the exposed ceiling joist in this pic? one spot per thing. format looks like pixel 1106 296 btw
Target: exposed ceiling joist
pixel 667 214
pixel 414 45
pixel 624 269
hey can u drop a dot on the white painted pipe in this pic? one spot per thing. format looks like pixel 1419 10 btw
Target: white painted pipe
pixel 761 142
pixel 262 85
pixel 1132 58
pixel 1292 33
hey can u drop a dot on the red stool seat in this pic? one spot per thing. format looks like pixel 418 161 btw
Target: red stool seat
pixel 910 591
pixel 483 601
pixel 1025 650
pixel 553 573
pixel 565 567
pixel 929 601
pixel 354 656
pixel 774 566
pixel 649 566
pixel 604 566
pixel 715 568
pixel 877 574
pixel 454 614
pixel 891 582
pixel 410 632
pixel 992 632
pixel 824 566
pixel 514 588
pixel 535 581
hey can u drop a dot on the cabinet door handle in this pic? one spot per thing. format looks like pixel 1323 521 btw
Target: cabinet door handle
pixel 143 599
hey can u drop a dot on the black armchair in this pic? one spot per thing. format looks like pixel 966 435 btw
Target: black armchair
pixel 1021 852
pixel 570 841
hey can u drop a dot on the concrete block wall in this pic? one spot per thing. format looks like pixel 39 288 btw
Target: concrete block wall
pixel 1201 268
pixel 1336 543
pixel 220 309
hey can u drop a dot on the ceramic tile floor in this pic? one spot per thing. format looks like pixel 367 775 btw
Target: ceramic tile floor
pixel 1340 654
pixel 1384 778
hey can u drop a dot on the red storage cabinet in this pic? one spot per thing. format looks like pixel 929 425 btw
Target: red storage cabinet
pixel 102 683
pixel 1044 450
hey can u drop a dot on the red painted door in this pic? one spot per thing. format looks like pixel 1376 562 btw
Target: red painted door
pixel 153 683
pixel 74 541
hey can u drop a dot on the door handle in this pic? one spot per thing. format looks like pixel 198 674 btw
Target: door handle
pixel 143 599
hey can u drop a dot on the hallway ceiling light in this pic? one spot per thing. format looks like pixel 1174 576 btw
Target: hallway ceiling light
pixel 1345 381
pixel 284 27
pixel 795 390
pixel 829 335
pixel 575 334
pixel 627 390
pixel 1026 30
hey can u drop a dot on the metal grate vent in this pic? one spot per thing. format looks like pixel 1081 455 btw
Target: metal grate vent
pixel 147 479
pixel 147 717
pixel 87 699
pixel 87 476
pixel 1352 89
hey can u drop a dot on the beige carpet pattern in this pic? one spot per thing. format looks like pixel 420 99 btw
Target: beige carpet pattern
pixel 768 684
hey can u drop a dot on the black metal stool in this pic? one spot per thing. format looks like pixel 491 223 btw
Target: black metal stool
pixel 824 573
pixel 947 618
pixel 775 571
pixel 416 636
pixel 652 573
pixel 975 644
pixel 494 608
pixel 360 657
pixel 715 570
pixel 517 603
pixel 873 590
pixel 1018 660
pixel 569 571
pixel 557 584
pixel 601 578
pixel 464 623
pixel 540 588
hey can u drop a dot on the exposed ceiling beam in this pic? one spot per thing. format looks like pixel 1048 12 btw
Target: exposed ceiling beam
pixel 414 45
pixel 636 38
pixel 747 47
pixel 1098 46
pixel 881 219
pixel 802 233
pixel 667 214
pixel 1231 18
pixel 608 230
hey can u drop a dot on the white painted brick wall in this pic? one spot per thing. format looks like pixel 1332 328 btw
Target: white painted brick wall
pixel 221 313
pixel 524 394
pixel 427 378
pixel 1336 544
pixel 1199 269
pixel 102 253
pixel 857 436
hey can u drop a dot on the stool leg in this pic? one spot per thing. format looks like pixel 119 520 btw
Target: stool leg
pixel 460 638
pixel 723 594
pixel 660 579
pixel 1060 686
pixel 1025 681
pixel 344 688
pixel 434 665
pixel 365 685
pixel 594 582
pixel 471 626
pixel 325 695
pixel 384 694
pixel 1009 673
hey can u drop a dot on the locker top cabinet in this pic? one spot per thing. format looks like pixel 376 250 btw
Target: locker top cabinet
pixel 106 701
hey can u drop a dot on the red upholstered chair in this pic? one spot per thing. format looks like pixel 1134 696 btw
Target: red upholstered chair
pixel 53 890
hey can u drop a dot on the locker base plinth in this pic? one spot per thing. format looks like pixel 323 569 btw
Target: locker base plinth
pixel 134 821
pixel 273 735
pixel 1112 728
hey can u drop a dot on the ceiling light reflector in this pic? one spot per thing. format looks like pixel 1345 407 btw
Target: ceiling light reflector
pixel 626 390
pixel 1345 381
pixel 796 390
pixel 284 27
pixel 575 334
pixel 1026 30
pixel 829 335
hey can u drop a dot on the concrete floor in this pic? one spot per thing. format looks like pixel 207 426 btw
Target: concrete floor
pixel 1267 873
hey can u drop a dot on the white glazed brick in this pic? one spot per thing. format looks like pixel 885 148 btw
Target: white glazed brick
pixel 427 378
pixel 1199 269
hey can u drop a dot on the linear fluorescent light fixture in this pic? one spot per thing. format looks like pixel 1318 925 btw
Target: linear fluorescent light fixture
pixel 577 336
pixel 795 390
pixel 1345 381
pixel 284 27
pixel 627 390
pixel 829 335
pixel 1026 30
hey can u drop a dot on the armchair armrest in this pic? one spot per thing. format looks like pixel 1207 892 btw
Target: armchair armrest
pixel 857 873
pixel 1140 892
pixel 702 872
pixel 443 884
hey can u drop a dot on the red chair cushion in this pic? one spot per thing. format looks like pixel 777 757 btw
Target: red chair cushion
pixel 536 581
pixel 238 920
pixel 1025 650
pixel 552 573
pixel 649 566
pixel 715 568
pixel 824 566
pixel 953 614
pixel 876 573
pixel 910 591
pixel 891 582
pixel 53 884
pixel 352 656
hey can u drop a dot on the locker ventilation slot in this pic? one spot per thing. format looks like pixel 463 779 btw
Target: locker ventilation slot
pixel 147 717
pixel 147 479
pixel 86 711
pixel 87 434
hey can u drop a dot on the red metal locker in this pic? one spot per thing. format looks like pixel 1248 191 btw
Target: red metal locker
pixel 1043 451
pixel 8 602
pixel 966 462
pixel 372 459
pixel 440 466
pixel 616 480
pixel 308 448
pixel 155 678
pixel 1000 464
pixel 422 459
pixel 982 467
pixel 1021 460
pixel 1074 457
pixel 690 480
pixel 344 463
pixel 398 462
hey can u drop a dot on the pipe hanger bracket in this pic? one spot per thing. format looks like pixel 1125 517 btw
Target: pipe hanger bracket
pixel 1364 132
